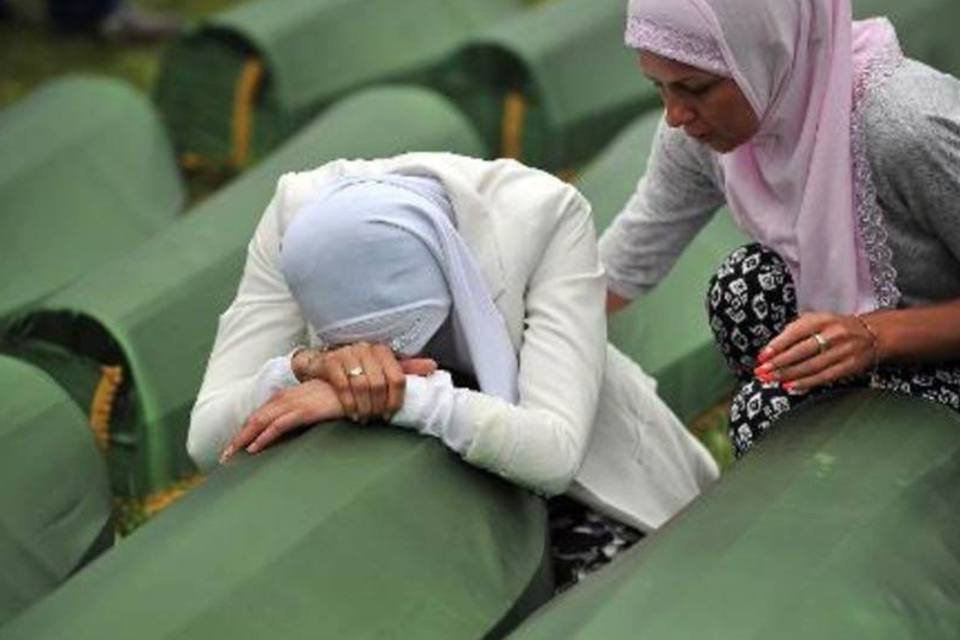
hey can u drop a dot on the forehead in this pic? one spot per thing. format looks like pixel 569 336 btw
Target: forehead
pixel 666 70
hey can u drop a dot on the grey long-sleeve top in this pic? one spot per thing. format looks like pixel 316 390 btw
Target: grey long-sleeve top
pixel 911 133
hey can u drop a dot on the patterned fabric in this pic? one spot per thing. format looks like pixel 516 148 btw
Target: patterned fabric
pixel 582 541
pixel 693 49
pixel 751 299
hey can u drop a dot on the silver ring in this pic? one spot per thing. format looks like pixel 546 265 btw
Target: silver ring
pixel 355 372
pixel 822 343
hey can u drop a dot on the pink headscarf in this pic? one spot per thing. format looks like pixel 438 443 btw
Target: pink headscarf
pixel 801 185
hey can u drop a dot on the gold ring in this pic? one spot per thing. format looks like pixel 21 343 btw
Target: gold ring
pixel 355 372
pixel 822 343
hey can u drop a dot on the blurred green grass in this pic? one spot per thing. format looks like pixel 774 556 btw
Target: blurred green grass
pixel 32 52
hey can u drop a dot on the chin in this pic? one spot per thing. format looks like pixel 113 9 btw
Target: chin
pixel 724 146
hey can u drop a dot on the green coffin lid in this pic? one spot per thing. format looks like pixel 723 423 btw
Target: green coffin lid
pixel 158 306
pixel 54 499
pixel 579 83
pixel 344 532
pixel 281 61
pixel 842 524
pixel 86 174
pixel 927 28
pixel 665 331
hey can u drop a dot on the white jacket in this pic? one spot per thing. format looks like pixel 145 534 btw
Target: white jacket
pixel 588 422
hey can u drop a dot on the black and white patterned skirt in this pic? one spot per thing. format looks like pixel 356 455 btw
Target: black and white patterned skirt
pixel 750 300
pixel 582 540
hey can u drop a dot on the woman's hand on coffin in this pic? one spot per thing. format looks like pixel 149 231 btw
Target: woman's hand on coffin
pixel 368 380
pixel 818 349
pixel 288 410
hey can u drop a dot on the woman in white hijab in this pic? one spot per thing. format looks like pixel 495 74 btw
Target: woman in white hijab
pixel 490 270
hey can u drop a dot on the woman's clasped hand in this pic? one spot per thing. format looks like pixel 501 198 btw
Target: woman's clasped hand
pixel 819 349
pixel 359 381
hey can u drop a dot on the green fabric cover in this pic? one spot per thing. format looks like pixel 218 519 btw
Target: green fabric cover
pixel 927 28
pixel 54 498
pixel 666 331
pixel 86 174
pixel 344 532
pixel 843 524
pixel 568 59
pixel 160 303
pixel 314 52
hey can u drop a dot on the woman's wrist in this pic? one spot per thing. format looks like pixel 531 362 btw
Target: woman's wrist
pixel 874 339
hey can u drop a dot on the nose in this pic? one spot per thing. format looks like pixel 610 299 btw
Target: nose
pixel 678 114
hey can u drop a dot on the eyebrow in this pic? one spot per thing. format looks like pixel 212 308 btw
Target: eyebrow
pixel 694 79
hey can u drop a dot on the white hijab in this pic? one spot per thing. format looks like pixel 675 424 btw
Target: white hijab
pixel 378 259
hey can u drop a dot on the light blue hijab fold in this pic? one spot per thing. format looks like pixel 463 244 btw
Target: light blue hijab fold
pixel 379 259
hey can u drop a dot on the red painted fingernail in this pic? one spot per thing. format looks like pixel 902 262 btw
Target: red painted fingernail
pixel 765 368
pixel 790 386
pixel 765 355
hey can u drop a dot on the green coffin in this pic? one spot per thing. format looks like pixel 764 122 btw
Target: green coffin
pixel 344 532
pixel 843 524
pixel 155 310
pixel 666 331
pixel 242 81
pixel 54 499
pixel 552 86
pixel 86 173
pixel 927 28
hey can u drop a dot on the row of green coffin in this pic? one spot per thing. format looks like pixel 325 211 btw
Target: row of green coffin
pixel 86 173
pixel 565 58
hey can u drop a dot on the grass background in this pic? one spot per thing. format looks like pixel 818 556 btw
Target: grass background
pixel 32 51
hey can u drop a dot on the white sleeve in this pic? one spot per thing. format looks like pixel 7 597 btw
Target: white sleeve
pixel 674 199
pixel 273 376
pixel 541 442
pixel 262 323
pixel 434 407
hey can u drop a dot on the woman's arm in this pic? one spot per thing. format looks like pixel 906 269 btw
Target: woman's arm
pixel 917 158
pixel 673 200
pixel 855 344
pixel 539 443
pixel 261 324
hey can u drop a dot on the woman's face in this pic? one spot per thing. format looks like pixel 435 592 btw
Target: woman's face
pixel 710 108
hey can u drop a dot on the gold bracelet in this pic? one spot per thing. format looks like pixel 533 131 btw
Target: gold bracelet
pixel 875 343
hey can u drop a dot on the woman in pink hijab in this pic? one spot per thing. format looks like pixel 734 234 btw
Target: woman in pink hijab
pixel 840 158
